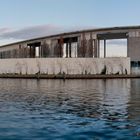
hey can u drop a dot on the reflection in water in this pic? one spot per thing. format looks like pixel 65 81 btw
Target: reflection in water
pixel 115 100
pixel 71 109
pixel 134 103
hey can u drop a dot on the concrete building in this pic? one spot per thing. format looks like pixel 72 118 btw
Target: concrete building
pixel 79 44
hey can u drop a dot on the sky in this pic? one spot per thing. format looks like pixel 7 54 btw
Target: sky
pixel 25 19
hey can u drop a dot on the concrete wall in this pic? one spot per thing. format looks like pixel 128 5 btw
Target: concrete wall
pixel 65 65
pixel 135 71
pixel 134 48
pixel 134 45
pixel 9 48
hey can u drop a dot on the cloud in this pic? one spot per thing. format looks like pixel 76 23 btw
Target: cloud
pixel 118 42
pixel 35 31
pixel 4 30
pixel 30 32
pixel 9 35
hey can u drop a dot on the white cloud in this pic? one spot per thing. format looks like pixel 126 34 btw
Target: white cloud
pixel 8 35
pixel 120 42
pixel 30 32
pixel 4 30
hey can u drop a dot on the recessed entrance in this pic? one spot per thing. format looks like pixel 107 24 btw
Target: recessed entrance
pixel 113 48
pixel 112 45
pixel 34 49
pixel 70 47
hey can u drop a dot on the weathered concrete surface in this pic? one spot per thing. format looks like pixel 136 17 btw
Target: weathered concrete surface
pixel 87 44
pixel 70 66
pixel 134 48
pixel 135 71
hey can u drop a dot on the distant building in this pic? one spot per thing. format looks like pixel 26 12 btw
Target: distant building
pixel 78 44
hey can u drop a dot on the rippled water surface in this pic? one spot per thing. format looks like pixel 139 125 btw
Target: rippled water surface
pixel 71 109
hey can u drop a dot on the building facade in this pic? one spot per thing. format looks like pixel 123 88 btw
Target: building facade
pixel 79 44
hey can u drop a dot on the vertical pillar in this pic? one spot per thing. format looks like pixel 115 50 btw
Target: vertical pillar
pixel 95 48
pixel 25 54
pixel 90 45
pixel 128 47
pixel 84 45
pixel 29 51
pixel 67 50
pixel 34 51
pixel 70 48
pixel 98 48
pixel 19 55
pixel 61 46
pixel 59 50
pixel 79 47
pixel 40 51
pixel 104 48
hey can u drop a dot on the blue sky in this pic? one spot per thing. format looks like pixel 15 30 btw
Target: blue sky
pixel 17 16
pixel 19 13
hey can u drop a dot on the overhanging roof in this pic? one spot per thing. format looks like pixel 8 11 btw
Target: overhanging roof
pixel 112 36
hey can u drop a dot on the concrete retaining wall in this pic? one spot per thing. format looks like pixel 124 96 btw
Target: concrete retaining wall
pixel 135 71
pixel 65 65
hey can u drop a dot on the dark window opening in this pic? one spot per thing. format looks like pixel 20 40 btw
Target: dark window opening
pixel 70 47
pixel 135 64
pixel 34 49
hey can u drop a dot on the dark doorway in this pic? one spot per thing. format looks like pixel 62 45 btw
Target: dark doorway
pixel 34 49
pixel 70 46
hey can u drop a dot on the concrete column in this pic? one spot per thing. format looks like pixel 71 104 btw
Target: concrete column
pixel 40 51
pixel 95 48
pixel 61 50
pixel 66 50
pixel 104 48
pixel 34 50
pixel 128 47
pixel 30 51
pixel 98 48
pixel 70 48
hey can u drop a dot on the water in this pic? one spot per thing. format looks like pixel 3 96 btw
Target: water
pixel 71 109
